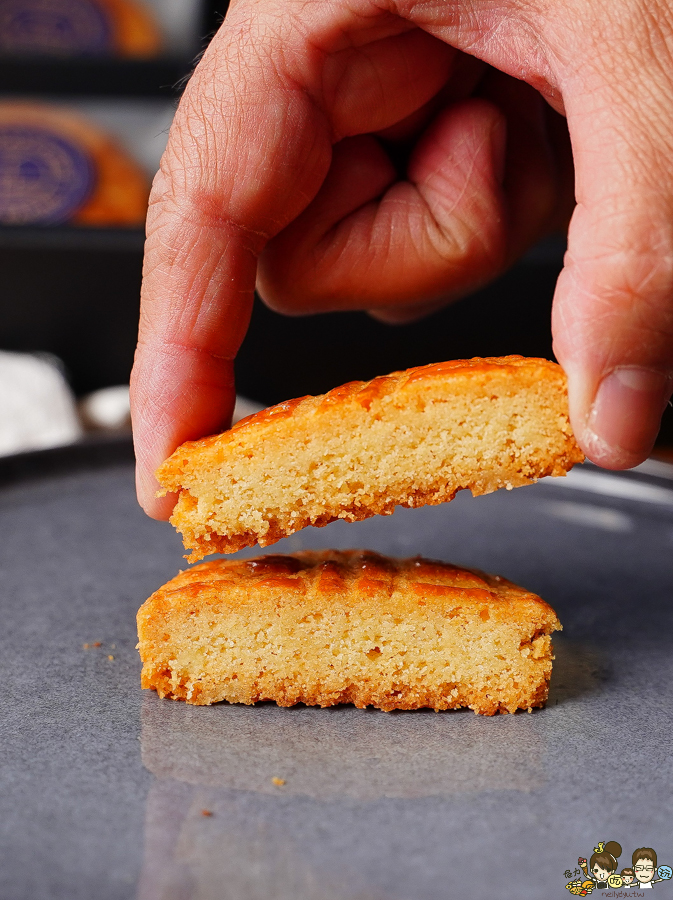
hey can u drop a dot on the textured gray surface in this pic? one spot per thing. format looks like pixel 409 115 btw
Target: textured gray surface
pixel 102 786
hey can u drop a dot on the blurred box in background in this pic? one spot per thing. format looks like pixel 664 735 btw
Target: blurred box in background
pixel 83 163
pixel 88 93
pixel 99 28
pixel 74 180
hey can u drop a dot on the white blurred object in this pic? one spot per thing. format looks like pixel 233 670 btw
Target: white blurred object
pixel 243 408
pixel 180 22
pixel 108 409
pixel 37 408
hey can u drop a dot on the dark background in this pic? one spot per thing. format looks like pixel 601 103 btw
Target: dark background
pixel 75 293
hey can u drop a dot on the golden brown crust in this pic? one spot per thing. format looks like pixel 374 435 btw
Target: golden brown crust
pixel 365 392
pixel 331 627
pixel 410 438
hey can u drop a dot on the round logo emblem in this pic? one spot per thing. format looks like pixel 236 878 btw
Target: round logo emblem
pixel 63 27
pixel 44 178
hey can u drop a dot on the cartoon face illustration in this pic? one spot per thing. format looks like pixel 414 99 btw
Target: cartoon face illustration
pixel 599 873
pixel 644 866
pixel 601 870
pixel 603 862
pixel 628 878
pixel 644 872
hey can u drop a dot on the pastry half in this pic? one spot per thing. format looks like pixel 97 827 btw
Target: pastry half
pixel 350 626
pixel 408 439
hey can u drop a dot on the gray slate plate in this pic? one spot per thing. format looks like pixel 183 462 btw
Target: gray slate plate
pixel 104 786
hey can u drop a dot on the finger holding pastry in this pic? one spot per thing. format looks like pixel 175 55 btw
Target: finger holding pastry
pixel 277 169
pixel 406 439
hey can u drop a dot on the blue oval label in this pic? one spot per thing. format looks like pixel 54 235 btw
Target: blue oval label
pixel 44 178
pixel 62 27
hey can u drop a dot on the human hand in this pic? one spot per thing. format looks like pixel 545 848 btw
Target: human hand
pixel 276 170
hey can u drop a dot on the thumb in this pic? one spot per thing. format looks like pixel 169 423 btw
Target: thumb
pixel 613 309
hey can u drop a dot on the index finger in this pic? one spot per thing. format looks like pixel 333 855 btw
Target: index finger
pixel 250 147
pixel 230 178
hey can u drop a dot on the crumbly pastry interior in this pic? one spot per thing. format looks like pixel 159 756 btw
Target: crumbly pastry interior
pixel 410 438
pixel 328 627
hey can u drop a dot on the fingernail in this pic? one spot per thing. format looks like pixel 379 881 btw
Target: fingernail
pixel 626 412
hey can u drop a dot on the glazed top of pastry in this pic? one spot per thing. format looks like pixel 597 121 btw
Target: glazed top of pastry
pixel 365 393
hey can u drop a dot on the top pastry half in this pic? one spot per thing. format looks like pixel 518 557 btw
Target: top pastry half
pixel 406 439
